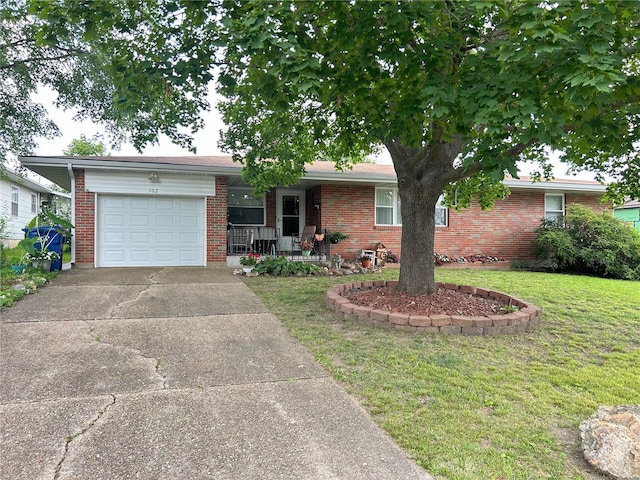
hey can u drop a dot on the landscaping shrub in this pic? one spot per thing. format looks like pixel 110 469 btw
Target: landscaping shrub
pixel 283 267
pixel 590 243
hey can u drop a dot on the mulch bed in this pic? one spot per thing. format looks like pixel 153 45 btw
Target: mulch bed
pixel 446 302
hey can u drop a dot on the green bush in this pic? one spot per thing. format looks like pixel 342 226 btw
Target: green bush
pixel 590 243
pixel 281 266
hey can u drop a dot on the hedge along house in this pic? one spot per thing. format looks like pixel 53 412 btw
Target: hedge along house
pixel 175 211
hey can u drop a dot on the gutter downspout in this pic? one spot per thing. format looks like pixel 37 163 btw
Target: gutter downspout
pixel 73 213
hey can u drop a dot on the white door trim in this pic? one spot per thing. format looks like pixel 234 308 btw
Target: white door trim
pixel 285 240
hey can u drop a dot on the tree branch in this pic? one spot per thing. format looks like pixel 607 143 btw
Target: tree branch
pixel 36 59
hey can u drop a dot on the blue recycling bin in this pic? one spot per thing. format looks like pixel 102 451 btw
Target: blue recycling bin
pixel 54 242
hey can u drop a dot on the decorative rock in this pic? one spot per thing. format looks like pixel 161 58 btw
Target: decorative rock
pixel 19 287
pixel 611 441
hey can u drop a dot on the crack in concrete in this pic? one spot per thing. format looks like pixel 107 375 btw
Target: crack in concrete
pixel 118 306
pixel 152 277
pixel 71 438
pixel 155 361
pixel 164 379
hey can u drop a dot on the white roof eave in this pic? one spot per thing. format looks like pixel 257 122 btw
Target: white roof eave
pixel 310 176
pixel 556 186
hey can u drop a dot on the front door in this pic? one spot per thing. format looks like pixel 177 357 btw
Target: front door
pixel 290 219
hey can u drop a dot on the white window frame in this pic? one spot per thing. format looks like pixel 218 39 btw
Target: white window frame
pixel 247 191
pixel 395 205
pixel 547 210
pixel 441 207
pixel 15 201
pixel 34 203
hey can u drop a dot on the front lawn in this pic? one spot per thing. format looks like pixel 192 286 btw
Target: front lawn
pixel 482 407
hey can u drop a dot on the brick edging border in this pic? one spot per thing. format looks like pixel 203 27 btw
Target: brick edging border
pixel 524 320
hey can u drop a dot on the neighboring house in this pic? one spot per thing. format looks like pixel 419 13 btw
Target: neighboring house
pixel 629 212
pixel 20 200
pixel 135 211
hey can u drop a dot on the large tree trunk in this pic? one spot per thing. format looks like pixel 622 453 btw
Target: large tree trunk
pixel 417 275
pixel 422 173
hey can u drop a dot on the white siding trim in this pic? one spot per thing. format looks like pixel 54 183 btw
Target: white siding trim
pixel 150 182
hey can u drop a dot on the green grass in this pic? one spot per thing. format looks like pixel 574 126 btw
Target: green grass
pixel 482 407
pixel 31 278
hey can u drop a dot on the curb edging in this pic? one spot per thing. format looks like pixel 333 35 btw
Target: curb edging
pixel 524 320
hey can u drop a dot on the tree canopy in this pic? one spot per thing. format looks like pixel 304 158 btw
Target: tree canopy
pixel 457 92
pixel 101 61
pixel 84 146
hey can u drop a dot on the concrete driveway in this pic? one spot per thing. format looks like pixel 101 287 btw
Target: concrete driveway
pixel 172 373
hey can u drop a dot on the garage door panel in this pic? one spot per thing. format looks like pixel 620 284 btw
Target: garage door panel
pixel 165 221
pixel 113 202
pixel 164 204
pixel 165 238
pixel 187 256
pixel 188 221
pixel 139 203
pixel 140 220
pixel 139 238
pixel 188 238
pixel 140 256
pixel 150 231
pixel 116 238
pixel 166 255
pixel 114 257
pixel 116 220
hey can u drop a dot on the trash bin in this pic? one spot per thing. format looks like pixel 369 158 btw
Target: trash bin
pixel 54 242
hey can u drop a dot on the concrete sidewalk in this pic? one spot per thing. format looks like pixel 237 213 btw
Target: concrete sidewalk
pixel 172 373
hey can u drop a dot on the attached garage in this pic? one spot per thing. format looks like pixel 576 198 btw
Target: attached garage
pixel 149 218
pixel 150 231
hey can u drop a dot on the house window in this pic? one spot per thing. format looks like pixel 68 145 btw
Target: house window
pixel 388 210
pixel 34 203
pixel 243 208
pixel 554 207
pixel 388 207
pixel 15 199
pixel 442 213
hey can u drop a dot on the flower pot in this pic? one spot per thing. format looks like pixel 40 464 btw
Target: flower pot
pixel 306 253
pixel 18 268
pixel 247 268
pixel 366 263
pixel 44 265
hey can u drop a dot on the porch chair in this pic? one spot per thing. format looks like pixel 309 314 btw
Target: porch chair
pixel 239 240
pixel 266 240
pixel 307 234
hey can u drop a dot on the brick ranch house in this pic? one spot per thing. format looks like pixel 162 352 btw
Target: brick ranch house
pixel 175 211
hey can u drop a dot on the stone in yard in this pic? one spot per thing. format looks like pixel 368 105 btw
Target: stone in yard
pixel 611 441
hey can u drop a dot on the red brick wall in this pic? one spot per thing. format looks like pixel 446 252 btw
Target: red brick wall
pixel 85 221
pixel 351 210
pixel 591 201
pixel 506 231
pixel 216 236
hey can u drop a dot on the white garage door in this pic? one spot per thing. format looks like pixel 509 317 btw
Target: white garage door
pixel 136 231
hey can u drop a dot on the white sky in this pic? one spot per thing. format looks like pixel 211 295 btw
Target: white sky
pixel 206 141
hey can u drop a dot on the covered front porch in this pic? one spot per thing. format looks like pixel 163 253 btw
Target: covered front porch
pixel 307 246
